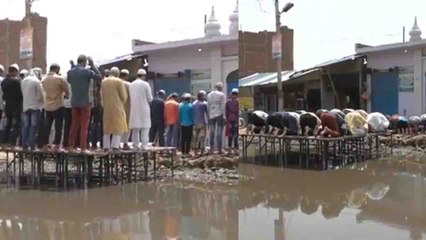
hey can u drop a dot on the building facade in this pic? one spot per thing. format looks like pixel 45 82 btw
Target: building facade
pixel 255 50
pixel 188 65
pixel 396 79
pixel 10 31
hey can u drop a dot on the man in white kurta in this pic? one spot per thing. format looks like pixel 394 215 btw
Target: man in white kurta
pixel 140 112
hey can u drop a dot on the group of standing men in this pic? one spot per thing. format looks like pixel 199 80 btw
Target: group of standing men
pixel 108 109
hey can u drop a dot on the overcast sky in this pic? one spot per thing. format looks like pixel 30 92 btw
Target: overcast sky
pixel 329 29
pixel 105 28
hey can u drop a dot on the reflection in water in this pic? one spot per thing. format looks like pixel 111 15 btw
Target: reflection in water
pixel 134 211
pixel 373 200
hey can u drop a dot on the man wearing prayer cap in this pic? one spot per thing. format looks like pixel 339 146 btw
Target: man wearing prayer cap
pixel 157 118
pixel 12 96
pixel 140 112
pixel 79 79
pixel 56 90
pixel 23 74
pixel 232 118
pixel 114 96
pixel 216 101
pixel 124 75
pixel 200 113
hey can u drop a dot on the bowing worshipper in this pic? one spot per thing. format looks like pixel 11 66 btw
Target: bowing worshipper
pixel 256 122
pixel 124 75
pixel 398 124
pixel 413 124
pixel 56 89
pixel 348 110
pixel 171 116
pixel 186 122
pixel 291 123
pixel 113 99
pixel 377 122
pixel 33 99
pixel 329 125
pixel 79 79
pixel 140 113
pixel 274 123
pixel 309 124
pixel 232 117
pixel 157 118
pixel 340 117
pixel 12 96
pixel 423 122
pixel 357 124
pixel 200 116
pixel 363 113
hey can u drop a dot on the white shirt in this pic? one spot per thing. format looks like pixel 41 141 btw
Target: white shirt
pixel 378 122
pixel 140 99
pixel 216 104
pixel 32 92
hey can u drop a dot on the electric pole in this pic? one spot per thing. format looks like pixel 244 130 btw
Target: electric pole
pixel 279 58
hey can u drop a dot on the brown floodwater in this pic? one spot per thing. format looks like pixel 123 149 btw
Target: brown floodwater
pixel 373 200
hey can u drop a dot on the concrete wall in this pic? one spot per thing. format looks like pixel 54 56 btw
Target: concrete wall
pixel 220 59
pixel 410 103
pixel 255 52
pixel 39 42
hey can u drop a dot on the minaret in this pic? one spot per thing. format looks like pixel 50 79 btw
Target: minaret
pixel 212 27
pixel 233 28
pixel 415 33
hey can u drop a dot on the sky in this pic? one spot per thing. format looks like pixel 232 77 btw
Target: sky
pixel 329 29
pixel 104 29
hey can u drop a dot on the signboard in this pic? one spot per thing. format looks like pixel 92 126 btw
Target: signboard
pixel 406 79
pixel 276 46
pixel 246 102
pixel 26 43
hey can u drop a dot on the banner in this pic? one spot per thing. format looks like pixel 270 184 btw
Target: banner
pixel 26 43
pixel 276 46
pixel 406 79
pixel 246 103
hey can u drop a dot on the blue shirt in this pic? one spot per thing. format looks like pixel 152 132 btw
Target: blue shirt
pixel 199 112
pixel 185 114
pixel 79 80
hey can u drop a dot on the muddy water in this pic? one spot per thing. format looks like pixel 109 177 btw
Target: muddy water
pixel 374 200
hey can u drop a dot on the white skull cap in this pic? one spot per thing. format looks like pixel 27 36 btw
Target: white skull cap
pixel 125 71
pixel 15 66
pixel 141 71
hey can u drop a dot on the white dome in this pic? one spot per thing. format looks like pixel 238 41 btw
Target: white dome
pixel 415 33
pixel 212 27
pixel 233 28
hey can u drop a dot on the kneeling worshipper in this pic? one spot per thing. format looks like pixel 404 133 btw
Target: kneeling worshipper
pixel 377 122
pixel 347 110
pixel 290 121
pixel 257 122
pixel 398 124
pixel 357 124
pixel 329 126
pixel 423 122
pixel 413 124
pixel 274 123
pixel 340 117
pixel 309 123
